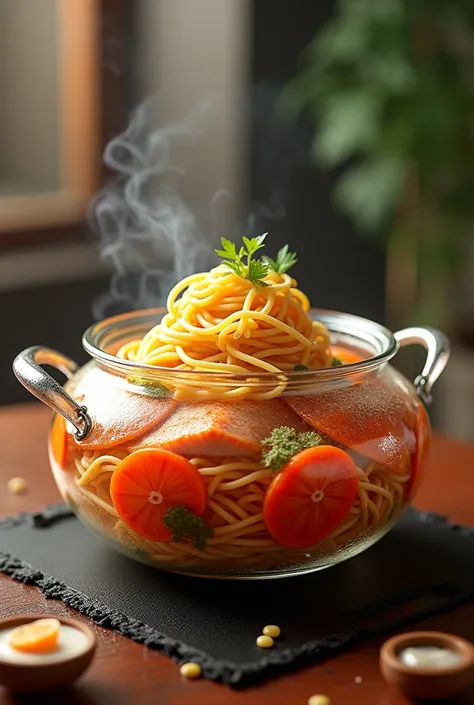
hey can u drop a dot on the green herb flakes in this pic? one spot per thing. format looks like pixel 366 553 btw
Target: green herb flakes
pixel 157 389
pixel 186 525
pixel 285 442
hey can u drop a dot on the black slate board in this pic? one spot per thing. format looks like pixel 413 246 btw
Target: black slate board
pixel 423 566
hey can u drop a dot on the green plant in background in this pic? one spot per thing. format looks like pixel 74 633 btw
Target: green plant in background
pixel 390 84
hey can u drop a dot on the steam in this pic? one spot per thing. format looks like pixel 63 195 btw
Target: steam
pixel 147 233
pixel 149 236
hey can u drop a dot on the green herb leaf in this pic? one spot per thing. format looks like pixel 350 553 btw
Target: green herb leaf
pixel 228 249
pixel 300 368
pixel 336 362
pixel 242 263
pixel 153 386
pixel 236 267
pixel 283 262
pixel 186 525
pixel 255 243
pixel 285 442
pixel 256 271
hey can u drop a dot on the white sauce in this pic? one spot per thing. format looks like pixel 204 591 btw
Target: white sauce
pixel 71 643
pixel 436 657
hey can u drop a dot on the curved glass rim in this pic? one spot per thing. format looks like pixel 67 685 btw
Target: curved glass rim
pixel 349 324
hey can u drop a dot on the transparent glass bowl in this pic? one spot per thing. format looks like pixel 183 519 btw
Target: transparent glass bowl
pixel 111 408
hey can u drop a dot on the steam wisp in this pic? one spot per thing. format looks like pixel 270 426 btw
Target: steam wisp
pixel 147 233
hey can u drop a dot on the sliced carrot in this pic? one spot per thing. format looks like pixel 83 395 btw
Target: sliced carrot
pixel 40 636
pixel 220 428
pixel 372 418
pixel 345 355
pixel 310 497
pixel 58 440
pixel 118 415
pixel 146 483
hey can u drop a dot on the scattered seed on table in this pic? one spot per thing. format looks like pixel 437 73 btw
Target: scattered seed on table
pixel 272 630
pixel 264 641
pixel 190 670
pixel 16 485
pixel 358 679
pixel 319 700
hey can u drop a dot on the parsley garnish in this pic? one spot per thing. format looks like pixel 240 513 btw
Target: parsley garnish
pixel 284 260
pixel 336 362
pixel 300 368
pixel 242 262
pixel 285 442
pixel 185 524
pixel 255 270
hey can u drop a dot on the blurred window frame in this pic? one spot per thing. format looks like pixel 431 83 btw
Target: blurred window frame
pixel 92 40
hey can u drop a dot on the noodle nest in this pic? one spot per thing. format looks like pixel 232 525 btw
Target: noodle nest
pixel 219 322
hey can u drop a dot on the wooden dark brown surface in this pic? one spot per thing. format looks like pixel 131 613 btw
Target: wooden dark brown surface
pixel 124 672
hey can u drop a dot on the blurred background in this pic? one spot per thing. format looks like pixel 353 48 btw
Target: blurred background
pixel 344 128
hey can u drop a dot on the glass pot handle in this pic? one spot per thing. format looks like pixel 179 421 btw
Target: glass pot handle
pixel 27 369
pixel 437 347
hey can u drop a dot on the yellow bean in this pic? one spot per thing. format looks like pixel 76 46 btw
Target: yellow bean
pixel 265 642
pixel 319 700
pixel 16 485
pixel 272 630
pixel 190 670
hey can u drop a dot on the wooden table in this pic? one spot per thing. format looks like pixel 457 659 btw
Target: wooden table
pixel 128 673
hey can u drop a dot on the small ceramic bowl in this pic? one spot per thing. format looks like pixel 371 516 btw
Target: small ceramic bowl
pixel 49 675
pixel 417 682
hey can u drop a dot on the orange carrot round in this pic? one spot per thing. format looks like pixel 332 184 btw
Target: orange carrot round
pixel 311 496
pixel 146 483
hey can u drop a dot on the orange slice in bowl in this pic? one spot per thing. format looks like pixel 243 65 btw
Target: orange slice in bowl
pixel 147 483
pixel 311 496
pixel 40 636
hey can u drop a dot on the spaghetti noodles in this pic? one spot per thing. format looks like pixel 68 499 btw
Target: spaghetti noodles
pixel 220 322
pixel 236 491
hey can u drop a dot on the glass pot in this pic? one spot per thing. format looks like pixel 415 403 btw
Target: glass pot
pixel 253 521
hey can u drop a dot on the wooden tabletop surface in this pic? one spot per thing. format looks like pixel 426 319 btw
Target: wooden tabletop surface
pixel 125 673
